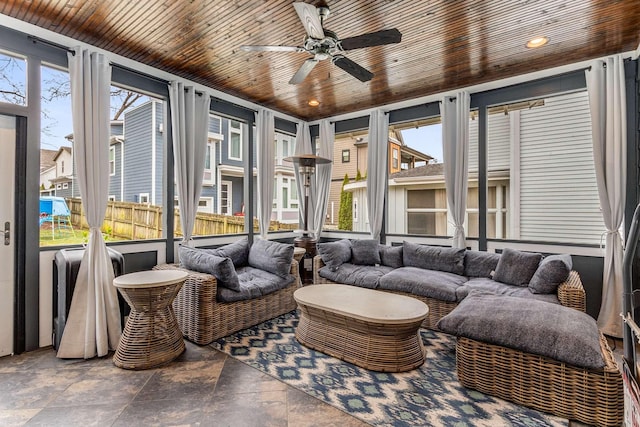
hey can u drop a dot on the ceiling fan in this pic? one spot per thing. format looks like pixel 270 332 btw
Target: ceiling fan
pixel 324 44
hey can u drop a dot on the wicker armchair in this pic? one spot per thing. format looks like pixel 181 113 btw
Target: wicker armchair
pixel 203 319
pixel 570 293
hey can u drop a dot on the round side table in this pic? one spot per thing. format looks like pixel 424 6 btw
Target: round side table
pixel 151 336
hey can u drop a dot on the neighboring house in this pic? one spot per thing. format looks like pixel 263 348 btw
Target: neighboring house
pixel 350 156
pixel 47 172
pixel 136 155
pixel 63 180
pixel 552 144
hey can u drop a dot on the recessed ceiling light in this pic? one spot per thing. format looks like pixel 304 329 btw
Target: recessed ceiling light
pixel 313 102
pixel 537 42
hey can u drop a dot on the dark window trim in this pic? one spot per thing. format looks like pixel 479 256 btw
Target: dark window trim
pixel 347 157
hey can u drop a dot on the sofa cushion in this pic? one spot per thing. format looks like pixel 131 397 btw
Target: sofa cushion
pixel 365 252
pixel 433 258
pixel 487 285
pixel 204 261
pixel 274 257
pixel 391 256
pixel 552 271
pixel 429 283
pixel 254 283
pixel 516 267
pixel 334 254
pixel 498 288
pixel 357 275
pixel 536 327
pixel 238 252
pixel 480 263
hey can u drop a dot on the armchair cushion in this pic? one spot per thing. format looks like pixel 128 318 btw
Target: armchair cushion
pixel 204 261
pixel 274 257
pixel 238 252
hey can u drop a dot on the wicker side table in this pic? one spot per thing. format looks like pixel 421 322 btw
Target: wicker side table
pixel 151 336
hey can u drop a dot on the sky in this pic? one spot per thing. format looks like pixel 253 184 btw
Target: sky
pixel 426 139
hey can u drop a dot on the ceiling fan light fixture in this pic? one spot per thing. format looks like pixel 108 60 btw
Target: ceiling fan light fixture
pixel 537 42
pixel 313 102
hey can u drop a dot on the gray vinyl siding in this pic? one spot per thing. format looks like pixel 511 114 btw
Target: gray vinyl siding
pixel 160 141
pixel 558 193
pixel 116 180
pixel 498 147
pixel 138 130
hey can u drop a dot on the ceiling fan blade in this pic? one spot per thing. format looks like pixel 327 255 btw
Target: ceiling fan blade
pixel 352 68
pixel 303 71
pixel 308 14
pixel 258 48
pixel 377 38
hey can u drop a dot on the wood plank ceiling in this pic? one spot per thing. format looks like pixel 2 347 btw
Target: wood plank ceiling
pixel 445 44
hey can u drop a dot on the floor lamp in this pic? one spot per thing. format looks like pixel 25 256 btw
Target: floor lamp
pixel 306 164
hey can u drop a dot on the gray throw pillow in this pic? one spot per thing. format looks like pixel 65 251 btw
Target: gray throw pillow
pixel 436 258
pixel 391 256
pixel 365 252
pixel 535 327
pixel 516 267
pixel 203 261
pixel 237 251
pixel 480 263
pixel 334 254
pixel 274 257
pixel 552 271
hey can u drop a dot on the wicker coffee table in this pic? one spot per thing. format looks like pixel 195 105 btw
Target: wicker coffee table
pixel 151 336
pixel 372 329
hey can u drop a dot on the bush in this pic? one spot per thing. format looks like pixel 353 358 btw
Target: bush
pixel 345 215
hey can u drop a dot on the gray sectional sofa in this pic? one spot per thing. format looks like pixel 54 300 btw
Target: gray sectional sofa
pixel 442 277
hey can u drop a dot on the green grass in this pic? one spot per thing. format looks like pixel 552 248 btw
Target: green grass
pixel 67 237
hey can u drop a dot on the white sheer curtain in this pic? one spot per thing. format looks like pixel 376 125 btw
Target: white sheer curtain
pixel 377 169
pixel 266 168
pixel 93 325
pixel 189 126
pixel 303 146
pixel 323 176
pixel 455 152
pixel 607 103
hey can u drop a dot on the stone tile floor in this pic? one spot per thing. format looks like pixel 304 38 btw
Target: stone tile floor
pixel 203 387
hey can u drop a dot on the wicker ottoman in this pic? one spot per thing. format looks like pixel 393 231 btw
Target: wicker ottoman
pixel 590 396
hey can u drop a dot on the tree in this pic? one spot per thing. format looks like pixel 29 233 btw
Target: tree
pixel 358 176
pixel 345 214
pixel 13 90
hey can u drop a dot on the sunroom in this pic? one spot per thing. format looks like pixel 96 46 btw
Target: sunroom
pixel 527 178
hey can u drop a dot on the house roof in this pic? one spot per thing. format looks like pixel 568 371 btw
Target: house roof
pixel 445 45
pixel 60 151
pixel 47 159
pixel 430 169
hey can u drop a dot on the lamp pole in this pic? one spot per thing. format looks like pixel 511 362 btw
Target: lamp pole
pixel 306 167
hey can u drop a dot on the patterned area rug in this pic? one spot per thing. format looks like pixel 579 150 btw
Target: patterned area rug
pixel 427 396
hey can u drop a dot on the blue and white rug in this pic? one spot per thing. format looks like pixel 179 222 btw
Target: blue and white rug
pixel 428 396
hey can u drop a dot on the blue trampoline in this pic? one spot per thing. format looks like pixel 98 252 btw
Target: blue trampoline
pixel 54 211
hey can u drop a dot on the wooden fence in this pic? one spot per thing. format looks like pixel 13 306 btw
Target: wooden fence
pixel 137 221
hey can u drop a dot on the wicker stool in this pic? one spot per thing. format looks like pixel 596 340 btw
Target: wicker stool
pixel 151 336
